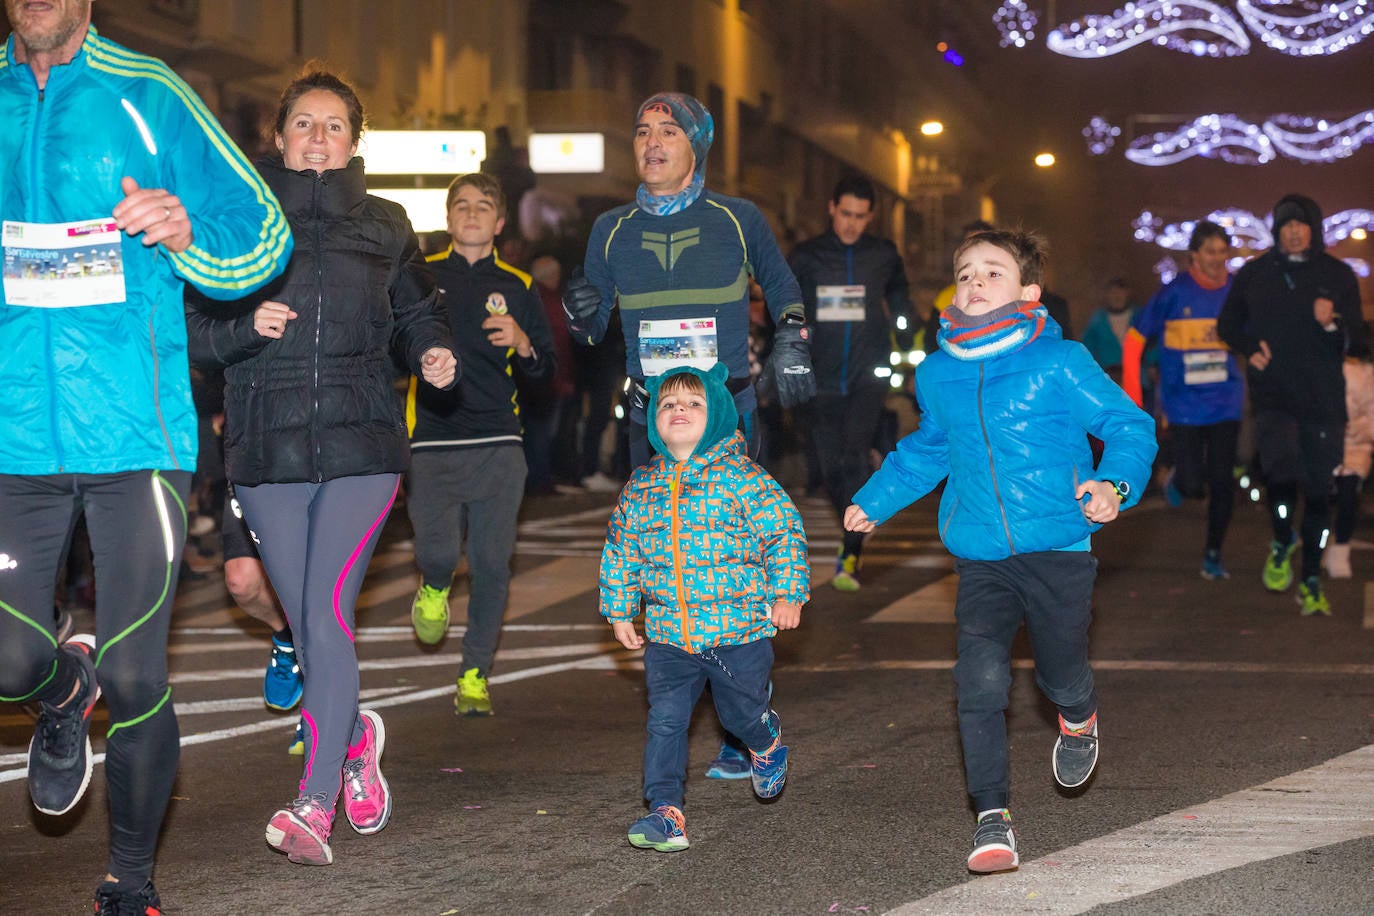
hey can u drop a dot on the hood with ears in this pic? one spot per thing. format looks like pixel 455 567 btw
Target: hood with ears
pixel 721 416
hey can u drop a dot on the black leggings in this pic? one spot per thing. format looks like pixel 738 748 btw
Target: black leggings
pixel 1204 463
pixel 137 525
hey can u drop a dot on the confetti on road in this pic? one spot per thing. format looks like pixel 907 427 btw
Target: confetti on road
pixel 471 807
pixel 450 769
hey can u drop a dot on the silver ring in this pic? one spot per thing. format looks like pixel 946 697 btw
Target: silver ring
pixel 168 212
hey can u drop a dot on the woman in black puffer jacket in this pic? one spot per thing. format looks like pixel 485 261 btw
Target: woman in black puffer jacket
pixel 315 439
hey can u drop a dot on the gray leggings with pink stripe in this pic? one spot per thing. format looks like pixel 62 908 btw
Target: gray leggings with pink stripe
pixel 316 540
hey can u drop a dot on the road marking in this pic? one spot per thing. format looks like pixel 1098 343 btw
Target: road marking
pixel 1369 605
pixel 932 604
pixel 1098 664
pixel 1304 810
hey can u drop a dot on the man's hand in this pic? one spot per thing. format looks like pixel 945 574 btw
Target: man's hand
pixel 503 331
pixel 791 364
pixel 786 615
pixel 1324 310
pixel 581 301
pixel 856 519
pixel 270 318
pixel 1260 358
pixel 625 634
pixel 1104 505
pixel 156 213
pixel 440 366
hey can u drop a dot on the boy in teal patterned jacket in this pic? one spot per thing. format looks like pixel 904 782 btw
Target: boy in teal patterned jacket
pixel 715 549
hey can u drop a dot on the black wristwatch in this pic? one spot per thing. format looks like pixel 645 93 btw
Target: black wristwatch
pixel 1123 490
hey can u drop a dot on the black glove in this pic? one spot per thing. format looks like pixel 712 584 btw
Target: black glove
pixel 790 363
pixel 581 301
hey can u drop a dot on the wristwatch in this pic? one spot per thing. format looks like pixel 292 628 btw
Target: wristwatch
pixel 1123 490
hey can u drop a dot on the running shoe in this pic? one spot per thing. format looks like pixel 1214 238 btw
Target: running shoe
pixel 1075 753
pixel 1172 495
pixel 1278 566
pixel 297 746
pixel 730 763
pixel 302 830
pixel 846 573
pixel 429 614
pixel 994 843
pixel 60 752
pixel 366 797
pixel 769 770
pixel 283 684
pixel 472 698
pixel 1312 599
pixel 663 829
pixel 111 900
pixel 1211 566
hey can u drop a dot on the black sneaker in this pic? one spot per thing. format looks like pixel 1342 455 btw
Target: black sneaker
pixel 994 843
pixel 1075 753
pixel 60 752
pixel 111 901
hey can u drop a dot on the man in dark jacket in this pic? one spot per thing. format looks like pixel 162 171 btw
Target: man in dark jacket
pixel 467 473
pixel 856 293
pixel 1293 312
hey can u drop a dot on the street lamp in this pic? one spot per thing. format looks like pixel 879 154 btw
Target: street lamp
pixel 932 128
pixel 1044 160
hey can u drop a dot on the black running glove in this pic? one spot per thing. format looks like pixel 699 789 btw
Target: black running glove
pixel 581 300
pixel 791 363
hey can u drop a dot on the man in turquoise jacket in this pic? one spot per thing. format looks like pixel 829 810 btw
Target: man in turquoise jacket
pixel 117 187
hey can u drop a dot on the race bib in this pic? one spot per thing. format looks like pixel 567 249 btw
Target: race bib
pixel 840 303
pixel 62 265
pixel 1204 367
pixel 670 343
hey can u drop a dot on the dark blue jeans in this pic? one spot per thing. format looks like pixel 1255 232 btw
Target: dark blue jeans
pixel 739 687
pixel 1052 591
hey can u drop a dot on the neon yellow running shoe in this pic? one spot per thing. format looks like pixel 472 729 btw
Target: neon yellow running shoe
pixel 846 573
pixel 472 698
pixel 1312 599
pixel 429 614
pixel 1278 566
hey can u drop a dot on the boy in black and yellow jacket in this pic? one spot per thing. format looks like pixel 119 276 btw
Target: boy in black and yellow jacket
pixel 467 466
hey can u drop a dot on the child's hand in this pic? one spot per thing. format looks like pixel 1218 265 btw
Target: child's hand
pixel 785 614
pixel 856 519
pixel 1104 505
pixel 625 634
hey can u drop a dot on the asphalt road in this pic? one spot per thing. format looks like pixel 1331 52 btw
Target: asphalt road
pixel 1237 764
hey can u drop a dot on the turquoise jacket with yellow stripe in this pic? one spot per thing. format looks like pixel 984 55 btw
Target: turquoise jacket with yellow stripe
pixel 105 388
pixel 709 542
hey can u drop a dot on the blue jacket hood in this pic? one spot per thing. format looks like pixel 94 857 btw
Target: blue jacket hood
pixel 721 416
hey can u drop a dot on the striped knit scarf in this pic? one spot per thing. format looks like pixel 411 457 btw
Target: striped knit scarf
pixel 977 337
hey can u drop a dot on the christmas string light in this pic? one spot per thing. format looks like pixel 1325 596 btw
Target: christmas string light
pixel 1248 232
pixel 1015 23
pixel 1101 136
pixel 1215 136
pixel 1317 27
pixel 1175 24
pixel 1231 138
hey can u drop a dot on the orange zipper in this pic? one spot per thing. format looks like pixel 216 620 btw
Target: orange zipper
pixel 674 488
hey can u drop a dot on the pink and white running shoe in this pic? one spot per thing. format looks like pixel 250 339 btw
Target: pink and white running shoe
pixel 366 797
pixel 302 831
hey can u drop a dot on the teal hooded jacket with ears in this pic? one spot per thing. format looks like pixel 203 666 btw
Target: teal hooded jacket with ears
pixel 709 542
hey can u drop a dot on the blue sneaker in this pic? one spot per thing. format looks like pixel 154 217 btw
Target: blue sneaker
pixel 663 829
pixel 730 763
pixel 1172 495
pixel 297 746
pixel 769 770
pixel 1211 566
pixel 283 684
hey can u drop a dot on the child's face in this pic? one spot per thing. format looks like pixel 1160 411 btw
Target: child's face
pixel 987 278
pixel 681 420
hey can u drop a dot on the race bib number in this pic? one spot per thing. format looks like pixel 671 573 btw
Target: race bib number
pixel 671 343
pixel 62 265
pixel 1204 367
pixel 840 303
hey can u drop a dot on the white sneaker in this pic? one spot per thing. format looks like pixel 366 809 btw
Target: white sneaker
pixel 600 483
pixel 1337 560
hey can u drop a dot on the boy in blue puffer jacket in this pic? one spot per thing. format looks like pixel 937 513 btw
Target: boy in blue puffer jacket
pixel 1005 408
pixel 715 549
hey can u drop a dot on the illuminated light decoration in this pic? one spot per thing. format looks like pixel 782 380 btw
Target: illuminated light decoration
pixel 1015 23
pixel 1317 140
pixel 1101 136
pixel 1167 269
pixel 1248 231
pixel 1359 265
pixel 1178 25
pixel 1215 136
pixel 1231 138
pixel 1308 27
